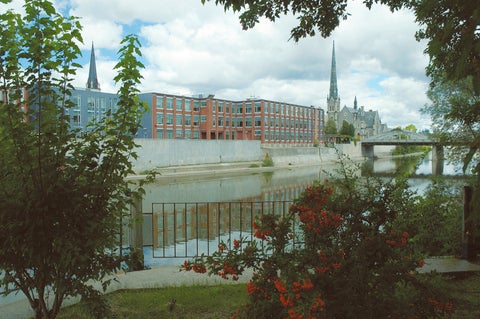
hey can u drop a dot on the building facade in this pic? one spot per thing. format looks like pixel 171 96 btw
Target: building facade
pixel 209 118
pixel 204 117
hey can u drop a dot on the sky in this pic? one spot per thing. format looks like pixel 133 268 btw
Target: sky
pixel 191 49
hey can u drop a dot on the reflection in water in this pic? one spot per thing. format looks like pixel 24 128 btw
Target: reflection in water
pixel 189 218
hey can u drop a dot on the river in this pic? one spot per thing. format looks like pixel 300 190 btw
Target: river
pixel 194 225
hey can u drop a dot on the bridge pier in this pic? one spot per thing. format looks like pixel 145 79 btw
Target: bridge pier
pixel 367 150
pixel 437 160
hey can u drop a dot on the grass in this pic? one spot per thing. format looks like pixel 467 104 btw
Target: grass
pixel 200 302
pixel 221 301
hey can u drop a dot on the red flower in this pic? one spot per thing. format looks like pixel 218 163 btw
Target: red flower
pixel 280 286
pixel 286 301
pixel 236 244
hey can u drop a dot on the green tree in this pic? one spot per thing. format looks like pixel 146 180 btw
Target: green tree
pixel 62 191
pixel 450 26
pixel 330 126
pixel 454 110
pixel 347 129
pixel 411 128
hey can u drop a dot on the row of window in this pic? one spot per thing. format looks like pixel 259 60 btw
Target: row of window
pixel 269 136
pixel 183 104
pixel 183 119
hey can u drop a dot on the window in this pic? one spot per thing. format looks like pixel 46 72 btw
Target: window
pixel 258 121
pixel 170 134
pixel 159 100
pixel 160 133
pixel 188 133
pixel 188 105
pixel 178 120
pixel 188 120
pixel 248 122
pixel 160 118
pixel 179 133
pixel 238 108
pixel 169 103
pixel 91 103
pixel 170 119
pixel 220 121
pixel 220 107
pixel 248 108
pixel 196 106
pixel 203 118
pixel 258 107
pixel 178 104
pixel 195 120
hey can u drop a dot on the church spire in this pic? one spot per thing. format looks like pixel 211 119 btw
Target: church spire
pixel 355 104
pixel 92 82
pixel 333 100
pixel 333 76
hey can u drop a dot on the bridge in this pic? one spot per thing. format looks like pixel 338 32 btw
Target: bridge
pixel 400 137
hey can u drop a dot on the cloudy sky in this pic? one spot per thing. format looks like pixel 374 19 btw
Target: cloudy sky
pixel 190 49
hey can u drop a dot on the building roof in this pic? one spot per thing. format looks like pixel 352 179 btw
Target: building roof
pixel 92 82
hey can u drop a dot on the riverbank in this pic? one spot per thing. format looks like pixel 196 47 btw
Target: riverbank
pixel 160 277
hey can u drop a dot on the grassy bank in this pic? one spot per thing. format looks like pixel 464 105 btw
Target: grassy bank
pixel 199 302
pixel 221 301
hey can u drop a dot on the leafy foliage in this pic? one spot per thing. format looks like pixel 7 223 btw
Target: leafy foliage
pixel 347 129
pixel 342 240
pixel 61 191
pixel 330 126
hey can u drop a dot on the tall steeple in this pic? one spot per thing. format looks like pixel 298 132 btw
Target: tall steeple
pixel 333 100
pixel 92 82
pixel 333 76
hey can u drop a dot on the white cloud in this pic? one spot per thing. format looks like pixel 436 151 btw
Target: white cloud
pixel 190 48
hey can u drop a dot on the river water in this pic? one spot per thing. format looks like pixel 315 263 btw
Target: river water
pixel 193 225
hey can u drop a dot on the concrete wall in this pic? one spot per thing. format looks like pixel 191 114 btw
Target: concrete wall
pixel 294 155
pixel 154 153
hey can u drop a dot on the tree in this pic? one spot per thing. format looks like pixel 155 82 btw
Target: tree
pixel 347 129
pixel 411 128
pixel 62 191
pixel 454 110
pixel 450 26
pixel 330 126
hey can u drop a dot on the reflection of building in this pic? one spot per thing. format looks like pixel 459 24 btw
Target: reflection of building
pixel 180 224
pixel 366 123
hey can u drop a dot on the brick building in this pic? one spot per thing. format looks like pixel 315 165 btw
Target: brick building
pixel 205 117
pixel 174 117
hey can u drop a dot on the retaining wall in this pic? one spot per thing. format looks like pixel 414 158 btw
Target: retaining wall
pixel 154 153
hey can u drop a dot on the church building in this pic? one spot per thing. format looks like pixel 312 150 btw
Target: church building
pixel 366 123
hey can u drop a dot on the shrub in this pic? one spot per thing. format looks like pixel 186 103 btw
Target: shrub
pixel 267 161
pixel 338 254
